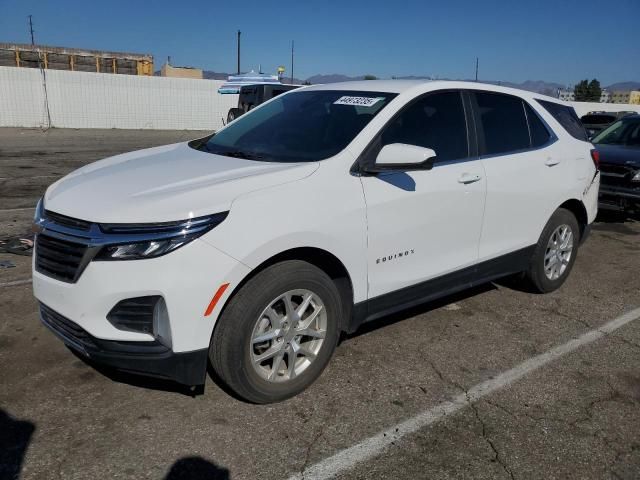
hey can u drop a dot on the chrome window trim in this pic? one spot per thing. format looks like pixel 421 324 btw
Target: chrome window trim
pixel 553 139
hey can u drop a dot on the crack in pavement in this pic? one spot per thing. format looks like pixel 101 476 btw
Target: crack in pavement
pixel 497 457
pixel 307 456
pixel 316 437
pixel 556 311
pixel 370 447
pixel 626 341
pixel 614 395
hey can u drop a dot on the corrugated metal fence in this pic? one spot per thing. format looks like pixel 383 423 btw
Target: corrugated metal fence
pixel 99 100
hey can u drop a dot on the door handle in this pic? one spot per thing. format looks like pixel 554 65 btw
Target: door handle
pixel 467 178
pixel 550 162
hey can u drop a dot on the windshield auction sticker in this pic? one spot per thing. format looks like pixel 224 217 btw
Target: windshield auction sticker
pixel 358 101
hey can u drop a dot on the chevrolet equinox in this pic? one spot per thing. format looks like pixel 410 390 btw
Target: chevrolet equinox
pixel 254 248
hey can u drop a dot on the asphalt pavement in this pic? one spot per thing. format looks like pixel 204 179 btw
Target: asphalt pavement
pixel 575 415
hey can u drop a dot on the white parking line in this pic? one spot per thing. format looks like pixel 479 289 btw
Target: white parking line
pixel 22 209
pixel 15 283
pixel 30 176
pixel 373 446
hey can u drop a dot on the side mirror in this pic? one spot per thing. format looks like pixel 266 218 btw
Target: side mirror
pixel 402 157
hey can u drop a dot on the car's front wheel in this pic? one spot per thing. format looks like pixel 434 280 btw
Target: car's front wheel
pixel 555 252
pixel 277 333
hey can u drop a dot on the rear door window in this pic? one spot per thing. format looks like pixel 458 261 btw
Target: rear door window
pixel 566 116
pixel 503 122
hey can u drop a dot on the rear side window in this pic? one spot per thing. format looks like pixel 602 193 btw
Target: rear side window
pixel 566 116
pixel 538 131
pixel 435 121
pixel 504 123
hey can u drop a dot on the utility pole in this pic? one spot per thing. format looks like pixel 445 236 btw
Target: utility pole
pixel 291 62
pixel 239 32
pixel 31 29
pixel 476 69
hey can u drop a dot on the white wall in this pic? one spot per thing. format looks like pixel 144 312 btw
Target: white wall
pixel 102 100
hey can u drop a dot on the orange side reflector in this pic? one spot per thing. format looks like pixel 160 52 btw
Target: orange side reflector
pixel 215 299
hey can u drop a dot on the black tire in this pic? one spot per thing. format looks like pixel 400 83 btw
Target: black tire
pixel 535 274
pixel 233 114
pixel 231 348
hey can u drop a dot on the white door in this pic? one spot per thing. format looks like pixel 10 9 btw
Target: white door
pixel 423 224
pixel 527 173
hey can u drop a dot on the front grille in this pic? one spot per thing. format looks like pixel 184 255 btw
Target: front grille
pixel 64 327
pixel 134 314
pixel 617 175
pixel 67 221
pixel 60 259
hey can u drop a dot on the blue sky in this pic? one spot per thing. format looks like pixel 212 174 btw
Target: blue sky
pixel 553 40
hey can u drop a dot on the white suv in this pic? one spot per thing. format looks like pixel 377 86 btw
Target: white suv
pixel 324 208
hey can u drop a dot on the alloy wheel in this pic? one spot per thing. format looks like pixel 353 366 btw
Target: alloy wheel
pixel 288 335
pixel 558 253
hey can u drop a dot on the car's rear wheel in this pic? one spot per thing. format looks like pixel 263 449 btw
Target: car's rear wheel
pixel 555 252
pixel 277 333
pixel 233 114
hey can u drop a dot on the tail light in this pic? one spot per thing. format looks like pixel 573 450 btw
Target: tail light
pixel 595 156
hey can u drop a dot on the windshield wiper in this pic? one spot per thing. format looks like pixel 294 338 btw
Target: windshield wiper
pixel 240 154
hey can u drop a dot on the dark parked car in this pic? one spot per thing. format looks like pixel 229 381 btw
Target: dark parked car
pixel 595 122
pixel 253 95
pixel 619 148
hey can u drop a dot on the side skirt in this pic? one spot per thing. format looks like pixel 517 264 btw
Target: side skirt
pixel 439 287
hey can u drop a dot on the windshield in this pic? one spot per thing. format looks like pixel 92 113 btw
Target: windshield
pixel 623 132
pixel 597 119
pixel 303 126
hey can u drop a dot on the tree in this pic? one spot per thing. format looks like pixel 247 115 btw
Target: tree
pixel 588 91
pixel 594 91
pixel 581 91
pixel 370 77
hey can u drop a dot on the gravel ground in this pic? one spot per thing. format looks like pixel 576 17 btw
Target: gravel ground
pixel 577 417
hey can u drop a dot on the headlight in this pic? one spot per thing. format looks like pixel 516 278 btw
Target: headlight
pixel 149 249
pixel 135 242
pixel 636 177
pixel 38 216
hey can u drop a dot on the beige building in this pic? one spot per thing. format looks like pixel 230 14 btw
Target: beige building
pixel 180 72
pixel 74 59
pixel 634 97
pixel 620 97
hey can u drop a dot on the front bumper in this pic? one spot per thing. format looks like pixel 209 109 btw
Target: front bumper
pixel 185 279
pixel 147 358
pixel 618 198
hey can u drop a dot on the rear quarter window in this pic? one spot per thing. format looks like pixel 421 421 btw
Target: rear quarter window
pixel 539 133
pixel 566 116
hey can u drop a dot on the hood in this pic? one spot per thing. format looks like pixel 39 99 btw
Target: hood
pixel 619 154
pixel 172 182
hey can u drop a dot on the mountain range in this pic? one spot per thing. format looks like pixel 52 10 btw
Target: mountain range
pixel 538 86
